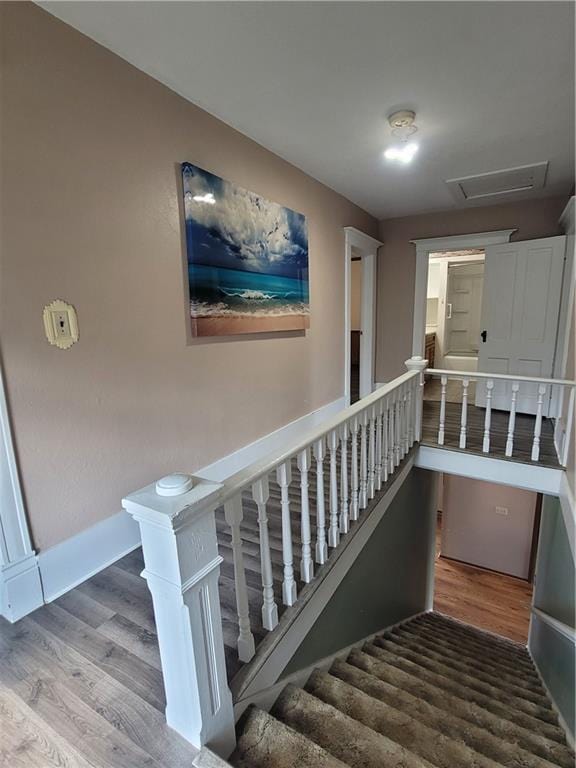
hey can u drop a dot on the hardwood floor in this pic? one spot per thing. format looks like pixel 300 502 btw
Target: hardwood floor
pixel 523 433
pixel 80 681
pixel 484 599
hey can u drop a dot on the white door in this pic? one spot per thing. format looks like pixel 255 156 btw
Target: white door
pixel 520 306
pixel 463 309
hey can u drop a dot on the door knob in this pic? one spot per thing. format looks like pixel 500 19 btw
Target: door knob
pixel 484 334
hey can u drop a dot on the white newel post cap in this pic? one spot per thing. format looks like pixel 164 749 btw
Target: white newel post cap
pixel 416 363
pixel 174 485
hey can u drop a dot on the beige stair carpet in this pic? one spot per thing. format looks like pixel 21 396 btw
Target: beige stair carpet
pixel 431 692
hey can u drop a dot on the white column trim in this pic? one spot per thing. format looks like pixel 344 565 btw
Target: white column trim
pixel 368 246
pixel 426 246
pixel 20 585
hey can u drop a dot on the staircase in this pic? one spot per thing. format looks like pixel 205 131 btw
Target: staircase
pixel 431 692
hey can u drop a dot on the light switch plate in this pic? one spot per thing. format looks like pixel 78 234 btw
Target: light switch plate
pixel 60 324
pixel 502 511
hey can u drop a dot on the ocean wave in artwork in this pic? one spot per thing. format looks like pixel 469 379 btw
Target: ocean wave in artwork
pixel 220 309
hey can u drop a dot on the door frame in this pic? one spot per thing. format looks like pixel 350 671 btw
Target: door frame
pixel 366 247
pixel 426 246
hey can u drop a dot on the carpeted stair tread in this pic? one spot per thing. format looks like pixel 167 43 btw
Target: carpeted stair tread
pixel 443 713
pixel 428 743
pixel 354 744
pixel 496 706
pixel 546 713
pixel 460 664
pixel 479 646
pixel 507 649
pixel 486 663
pixel 265 742
pixel 494 723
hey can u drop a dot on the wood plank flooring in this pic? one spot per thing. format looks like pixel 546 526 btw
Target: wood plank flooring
pixel 487 600
pixel 523 433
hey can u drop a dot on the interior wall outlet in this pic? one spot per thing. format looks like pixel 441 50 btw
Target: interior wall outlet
pixel 60 324
pixel 502 511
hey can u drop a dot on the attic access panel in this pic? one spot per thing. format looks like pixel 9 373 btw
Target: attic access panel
pixel 497 184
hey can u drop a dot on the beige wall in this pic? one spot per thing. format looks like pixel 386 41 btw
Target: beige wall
pixel 90 210
pixel 397 264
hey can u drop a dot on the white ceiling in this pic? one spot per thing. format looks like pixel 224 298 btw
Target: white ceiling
pixel 492 84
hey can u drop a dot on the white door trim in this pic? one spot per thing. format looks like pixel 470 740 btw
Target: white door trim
pixel 368 248
pixel 20 586
pixel 426 246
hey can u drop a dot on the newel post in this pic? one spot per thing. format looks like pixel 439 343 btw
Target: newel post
pixel 182 567
pixel 418 363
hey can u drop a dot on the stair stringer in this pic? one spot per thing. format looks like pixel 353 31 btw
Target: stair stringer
pixel 278 647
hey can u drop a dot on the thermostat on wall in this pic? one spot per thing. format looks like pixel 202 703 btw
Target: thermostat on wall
pixel 60 324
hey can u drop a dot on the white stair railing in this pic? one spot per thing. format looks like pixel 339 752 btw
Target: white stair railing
pixel 519 386
pixel 363 444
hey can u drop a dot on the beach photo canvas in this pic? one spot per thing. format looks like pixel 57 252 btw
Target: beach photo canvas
pixel 247 259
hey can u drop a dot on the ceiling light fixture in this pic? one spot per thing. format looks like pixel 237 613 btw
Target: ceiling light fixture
pixel 402 125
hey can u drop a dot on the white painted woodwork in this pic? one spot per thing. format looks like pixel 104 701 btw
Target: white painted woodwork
pixel 417 363
pixel 378 454
pixel 538 425
pixel 182 567
pixel 569 430
pixel 355 478
pixel 464 417
pixel 515 386
pixel 462 323
pixel 363 460
pixel 426 246
pixel 306 563
pixel 397 426
pixel 442 424
pixel 520 309
pixel 261 494
pixel 321 543
pixel 284 478
pixel 344 512
pixel 371 453
pixel 334 529
pixel 487 417
pixel 234 513
pixel 391 433
pixel 385 457
pixel 367 248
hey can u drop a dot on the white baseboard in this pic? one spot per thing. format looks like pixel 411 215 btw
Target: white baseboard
pixel 20 588
pixel 76 559
pixel 234 462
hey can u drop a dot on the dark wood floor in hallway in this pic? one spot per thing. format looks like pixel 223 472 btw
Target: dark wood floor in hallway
pixel 484 599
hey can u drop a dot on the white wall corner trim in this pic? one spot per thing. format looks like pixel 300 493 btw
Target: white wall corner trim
pixel 20 588
pixel 76 559
pixel 426 246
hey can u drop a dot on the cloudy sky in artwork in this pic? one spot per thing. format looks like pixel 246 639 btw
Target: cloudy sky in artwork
pixel 228 226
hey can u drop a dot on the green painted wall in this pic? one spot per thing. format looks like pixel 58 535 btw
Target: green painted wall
pixel 554 594
pixel 387 583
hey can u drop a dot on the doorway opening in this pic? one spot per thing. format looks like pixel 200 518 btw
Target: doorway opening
pixel 486 545
pixel 356 326
pixel 453 316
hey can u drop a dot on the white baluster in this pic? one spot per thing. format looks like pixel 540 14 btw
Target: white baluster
pixel 344 521
pixel 371 453
pixel 443 382
pixel 354 507
pixel 398 428
pixel 306 564
pixel 261 494
pixel 363 460
pixel 410 416
pixel 538 424
pixel 321 545
pixel 385 457
pixel 512 419
pixel 378 480
pixel 406 415
pixel 464 418
pixel 417 363
pixel 488 416
pixel 391 433
pixel 234 513
pixel 284 478
pixel 333 530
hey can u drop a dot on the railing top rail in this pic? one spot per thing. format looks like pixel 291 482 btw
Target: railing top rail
pixel 504 376
pixel 245 477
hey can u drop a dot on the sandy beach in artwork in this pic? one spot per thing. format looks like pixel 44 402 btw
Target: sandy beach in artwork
pixel 227 325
